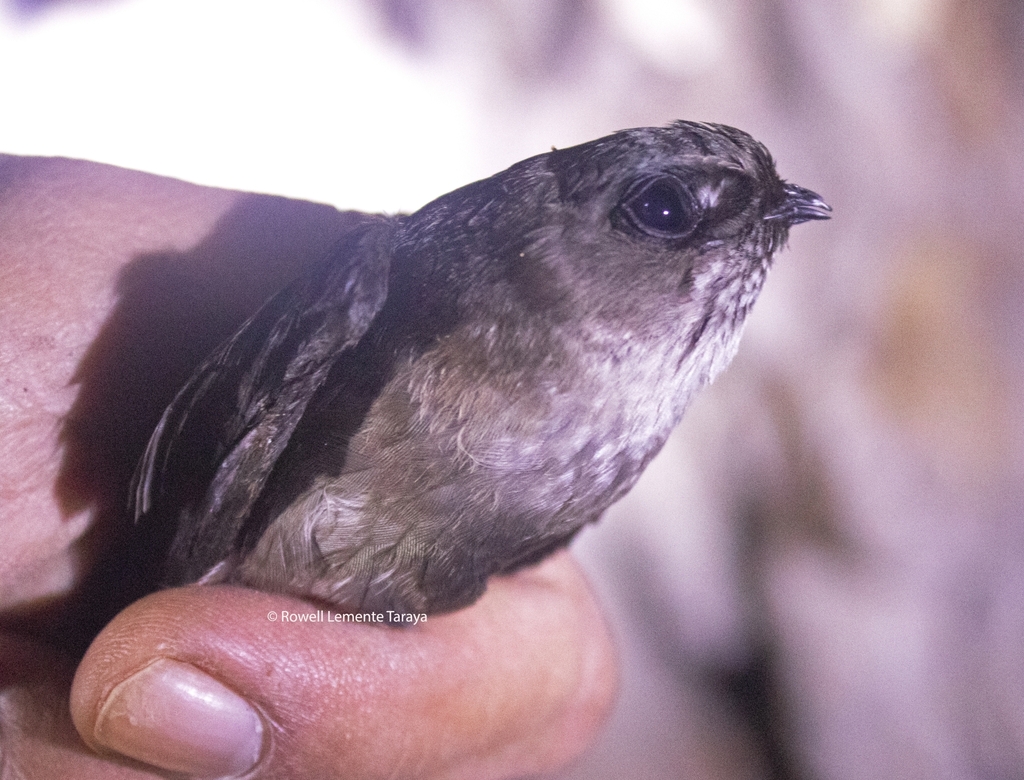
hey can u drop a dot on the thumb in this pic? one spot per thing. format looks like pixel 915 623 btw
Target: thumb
pixel 212 681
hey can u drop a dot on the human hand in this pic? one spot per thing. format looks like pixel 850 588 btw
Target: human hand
pixel 116 283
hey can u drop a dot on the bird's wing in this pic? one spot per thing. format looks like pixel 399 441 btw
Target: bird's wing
pixel 216 444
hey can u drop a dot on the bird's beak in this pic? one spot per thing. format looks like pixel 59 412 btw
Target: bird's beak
pixel 799 205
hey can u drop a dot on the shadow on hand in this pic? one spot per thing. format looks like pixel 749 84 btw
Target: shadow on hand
pixel 172 310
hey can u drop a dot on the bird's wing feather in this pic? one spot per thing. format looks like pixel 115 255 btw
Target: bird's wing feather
pixel 239 409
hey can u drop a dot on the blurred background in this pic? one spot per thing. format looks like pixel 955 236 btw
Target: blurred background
pixel 823 574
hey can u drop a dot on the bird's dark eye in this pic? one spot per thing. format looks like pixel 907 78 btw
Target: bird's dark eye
pixel 662 208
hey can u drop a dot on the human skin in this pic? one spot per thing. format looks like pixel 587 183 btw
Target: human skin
pixel 114 284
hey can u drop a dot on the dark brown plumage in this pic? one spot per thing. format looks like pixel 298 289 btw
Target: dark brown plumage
pixel 454 393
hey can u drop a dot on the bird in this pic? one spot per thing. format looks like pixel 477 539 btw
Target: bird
pixel 454 393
